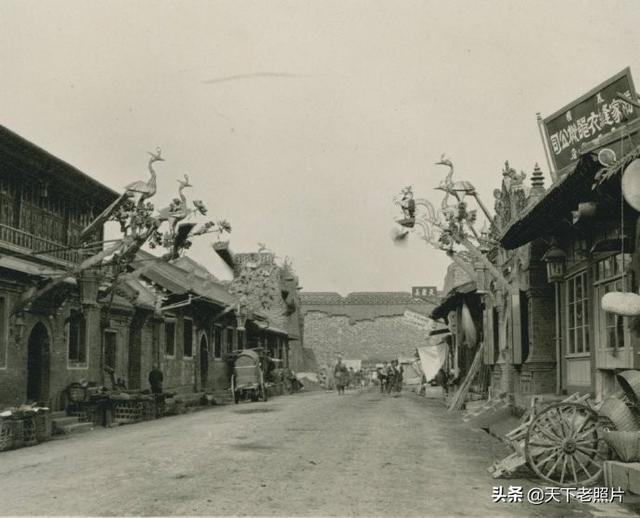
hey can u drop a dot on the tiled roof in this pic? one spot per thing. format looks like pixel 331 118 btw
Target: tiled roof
pixel 359 297
pixel 189 265
pixel 380 297
pixel 178 280
pixel 365 305
pixel 55 167
pixel 320 297
pixel 456 276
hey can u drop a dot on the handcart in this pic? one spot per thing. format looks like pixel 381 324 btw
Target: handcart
pixel 247 379
pixel 566 443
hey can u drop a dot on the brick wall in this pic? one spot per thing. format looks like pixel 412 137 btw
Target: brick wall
pixel 380 338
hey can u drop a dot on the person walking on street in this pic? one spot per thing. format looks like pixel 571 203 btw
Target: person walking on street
pixel 398 372
pixel 382 377
pixel 390 377
pixel 341 375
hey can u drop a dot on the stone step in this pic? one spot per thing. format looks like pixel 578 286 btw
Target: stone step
pixel 77 428
pixel 58 424
pixel 58 414
pixel 222 398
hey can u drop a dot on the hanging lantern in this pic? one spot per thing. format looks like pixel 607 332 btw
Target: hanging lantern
pixel 555 259
pixel 624 304
pixel 631 184
pixel 242 314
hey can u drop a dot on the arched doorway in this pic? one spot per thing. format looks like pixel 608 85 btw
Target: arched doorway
pixel 204 362
pixel 38 365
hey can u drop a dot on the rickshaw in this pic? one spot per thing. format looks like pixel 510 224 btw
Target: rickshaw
pixel 247 379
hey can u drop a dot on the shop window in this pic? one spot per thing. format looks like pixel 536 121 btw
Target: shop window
pixel 614 324
pixel 110 348
pixel 612 266
pixel 4 332
pixel 170 338
pixel 217 341
pixel 77 339
pixel 577 315
pixel 187 338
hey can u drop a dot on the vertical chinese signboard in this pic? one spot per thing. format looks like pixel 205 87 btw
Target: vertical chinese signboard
pixel 594 114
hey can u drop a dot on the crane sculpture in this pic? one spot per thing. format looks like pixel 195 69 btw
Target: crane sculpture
pixel 451 228
pixel 139 225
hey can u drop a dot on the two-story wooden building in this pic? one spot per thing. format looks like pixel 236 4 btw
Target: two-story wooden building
pixel 44 205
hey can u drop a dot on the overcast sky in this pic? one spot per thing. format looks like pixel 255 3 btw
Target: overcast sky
pixel 299 121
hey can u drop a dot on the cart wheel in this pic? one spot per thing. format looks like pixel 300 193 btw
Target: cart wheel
pixel 263 389
pixel 562 445
pixel 233 389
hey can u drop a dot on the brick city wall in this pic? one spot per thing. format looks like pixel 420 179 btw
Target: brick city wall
pixel 382 338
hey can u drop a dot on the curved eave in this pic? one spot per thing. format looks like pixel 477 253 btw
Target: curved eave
pixel 455 297
pixel 563 197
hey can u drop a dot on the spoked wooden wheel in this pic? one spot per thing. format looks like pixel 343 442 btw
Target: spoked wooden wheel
pixel 561 445
pixel 263 389
pixel 234 390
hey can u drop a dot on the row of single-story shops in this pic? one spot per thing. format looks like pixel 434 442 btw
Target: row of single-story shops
pixel 175 315
pixel 560 250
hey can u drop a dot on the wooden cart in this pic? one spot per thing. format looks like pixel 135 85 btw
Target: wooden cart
pixel 562 442
pixel 247 379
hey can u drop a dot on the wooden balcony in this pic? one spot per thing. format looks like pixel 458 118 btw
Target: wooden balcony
pixel 28 244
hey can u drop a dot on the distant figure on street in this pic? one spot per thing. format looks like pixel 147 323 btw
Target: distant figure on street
pixel 382 377
pixel 155 379
pixel 341 375
pixel 352 378
pixel 391 378
pixel 442 379
pixel 398 372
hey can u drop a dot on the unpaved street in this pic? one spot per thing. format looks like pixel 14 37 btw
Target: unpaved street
pixel 309 454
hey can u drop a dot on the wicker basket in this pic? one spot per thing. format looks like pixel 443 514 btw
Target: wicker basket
pixel 630 383
pixel 125 412
pixel 6 434
pixel 76 393
pixel 43 426
pixel 619 414
pixel 18 432
pixel 148 410
pixel 29 430
pixel 626 444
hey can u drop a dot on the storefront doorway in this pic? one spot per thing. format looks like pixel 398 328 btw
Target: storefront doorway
pixel 38 365
pixel 204 362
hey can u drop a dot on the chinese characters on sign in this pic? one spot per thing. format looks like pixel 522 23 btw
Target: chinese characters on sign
pixel 594 114
pixel 546 495
pixel 424 291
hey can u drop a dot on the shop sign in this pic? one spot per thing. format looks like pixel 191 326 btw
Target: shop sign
pixel 424 291
pixel 417 320
pixel 596 113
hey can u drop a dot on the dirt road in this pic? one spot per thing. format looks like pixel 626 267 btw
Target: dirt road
pixel 310 454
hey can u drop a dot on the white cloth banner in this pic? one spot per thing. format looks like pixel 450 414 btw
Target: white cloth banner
pixel 432 358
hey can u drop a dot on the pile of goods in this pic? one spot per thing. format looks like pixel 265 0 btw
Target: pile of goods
pixel 571 442
pixel 109 407
pixel 25 425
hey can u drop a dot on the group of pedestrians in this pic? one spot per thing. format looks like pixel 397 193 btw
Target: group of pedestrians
pixel 344 377
pixel 390 377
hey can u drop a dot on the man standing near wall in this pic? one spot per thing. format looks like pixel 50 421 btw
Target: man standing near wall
pixel 155 379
